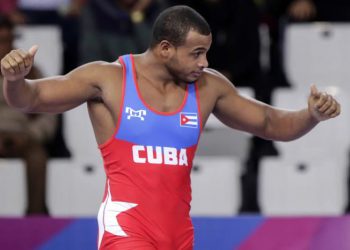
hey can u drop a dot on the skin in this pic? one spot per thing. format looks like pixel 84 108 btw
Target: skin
pixel 25 145
pixel 100 83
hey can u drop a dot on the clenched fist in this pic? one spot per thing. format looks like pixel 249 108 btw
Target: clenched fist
pixel 322 105
pixel 18 63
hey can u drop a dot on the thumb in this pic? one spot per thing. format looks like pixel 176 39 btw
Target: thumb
pixel 32 51
pixel 314 91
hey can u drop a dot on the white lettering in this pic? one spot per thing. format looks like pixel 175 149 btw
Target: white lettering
pixel 170 156
pixel 183 158
pixel 136 154
pixel 150 155
pixel 159 155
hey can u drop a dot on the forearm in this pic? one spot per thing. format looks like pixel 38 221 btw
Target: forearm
pixel 19 94
pixel 283 125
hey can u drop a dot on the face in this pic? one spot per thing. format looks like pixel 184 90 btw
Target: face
pixel 6 39
pixel 188 61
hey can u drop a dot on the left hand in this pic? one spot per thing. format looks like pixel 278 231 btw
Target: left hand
pixel 322 106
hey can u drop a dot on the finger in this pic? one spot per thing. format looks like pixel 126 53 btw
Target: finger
pixel 321 100
pixel 314 91
pixel 26 57
pixel 331 109
pixel 13 64
pixel 334 110
pixel 326 105
pixel 16 61
pixel 5 65
pixel 337 112
pixel 19 60
pixel 32 51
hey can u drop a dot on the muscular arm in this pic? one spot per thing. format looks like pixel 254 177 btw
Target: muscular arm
pixel 52 95
pixel 267 121
pixel 56 94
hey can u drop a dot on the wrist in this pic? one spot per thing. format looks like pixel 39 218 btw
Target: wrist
pixel 12 82
pixel 313 117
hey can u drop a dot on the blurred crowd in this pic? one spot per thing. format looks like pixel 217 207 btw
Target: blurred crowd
pixel 105 29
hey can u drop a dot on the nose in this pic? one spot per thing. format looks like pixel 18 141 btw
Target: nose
pixel 203 63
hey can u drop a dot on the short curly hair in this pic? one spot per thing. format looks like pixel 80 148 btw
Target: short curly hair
pixel 174 23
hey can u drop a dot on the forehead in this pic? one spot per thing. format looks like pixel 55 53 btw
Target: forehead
pixel 196 40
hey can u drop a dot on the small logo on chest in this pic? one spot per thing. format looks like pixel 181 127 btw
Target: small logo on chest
pixel 189 120
pixel 140 114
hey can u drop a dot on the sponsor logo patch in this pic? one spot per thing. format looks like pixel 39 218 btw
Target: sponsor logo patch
pixel 135 113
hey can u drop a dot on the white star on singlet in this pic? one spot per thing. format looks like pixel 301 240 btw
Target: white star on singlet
pixel 112 210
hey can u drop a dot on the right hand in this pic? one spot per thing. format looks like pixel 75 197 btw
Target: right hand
pixel 18 63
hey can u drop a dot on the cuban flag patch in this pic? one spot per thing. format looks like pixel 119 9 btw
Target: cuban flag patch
pixel 189 120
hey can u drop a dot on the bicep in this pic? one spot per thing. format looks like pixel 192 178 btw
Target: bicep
pixel 60 93
pixel 240 112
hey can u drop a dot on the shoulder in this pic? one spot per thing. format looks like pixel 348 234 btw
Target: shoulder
pixel 213 76
pixel 213 87
pixel 97 72
pixel 100 66
pixel 214 81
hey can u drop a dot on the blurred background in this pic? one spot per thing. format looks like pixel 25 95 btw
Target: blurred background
pixel 246 191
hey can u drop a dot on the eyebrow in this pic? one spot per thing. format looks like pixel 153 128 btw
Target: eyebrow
pixel 199 49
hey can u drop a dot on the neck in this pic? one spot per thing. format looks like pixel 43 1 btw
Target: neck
pixel 149 61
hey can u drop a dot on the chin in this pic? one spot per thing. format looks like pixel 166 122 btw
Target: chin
pixel 193 79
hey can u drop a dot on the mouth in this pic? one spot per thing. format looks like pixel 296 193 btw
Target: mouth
pixel 197 74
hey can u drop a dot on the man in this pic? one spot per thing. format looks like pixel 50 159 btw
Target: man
pixel 147 112
pixel 25 135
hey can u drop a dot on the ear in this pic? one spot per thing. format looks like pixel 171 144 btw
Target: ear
pixel 166 49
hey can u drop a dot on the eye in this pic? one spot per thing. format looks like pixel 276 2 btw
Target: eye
pixel 197 54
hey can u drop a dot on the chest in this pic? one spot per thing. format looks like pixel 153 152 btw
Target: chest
pixel 152 117
pixel 166 99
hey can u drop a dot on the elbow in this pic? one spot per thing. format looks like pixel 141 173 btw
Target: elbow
pixel 25 107
pixel 28 109
pixel 21 96
pixel 31 106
